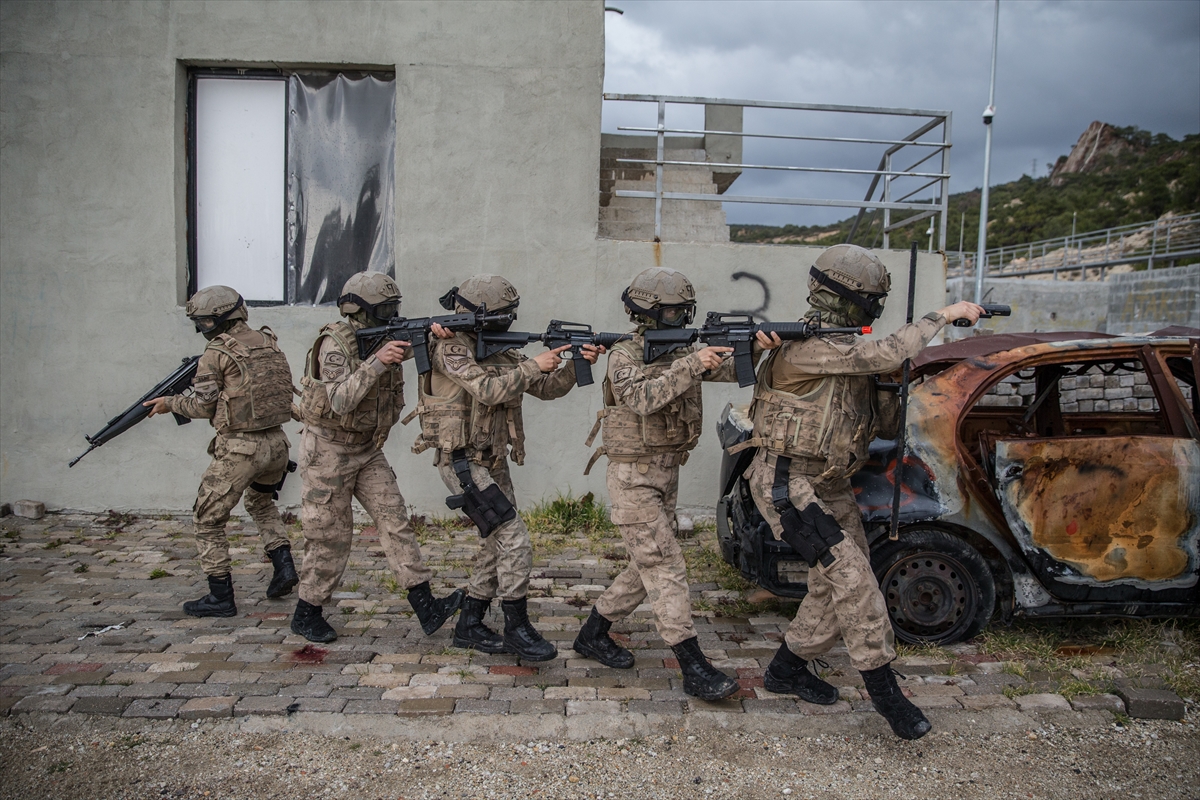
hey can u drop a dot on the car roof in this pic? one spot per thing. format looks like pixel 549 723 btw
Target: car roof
pixel 939 357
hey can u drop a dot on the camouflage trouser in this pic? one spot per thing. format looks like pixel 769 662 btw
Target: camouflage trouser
pixel 502 566
pixel 643 500
pixel 334 474
pixel 843 599
pixel 238 461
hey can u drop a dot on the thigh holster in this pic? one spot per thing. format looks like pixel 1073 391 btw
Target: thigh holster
pixel 488 508
pixel 273 488
pixel 811 532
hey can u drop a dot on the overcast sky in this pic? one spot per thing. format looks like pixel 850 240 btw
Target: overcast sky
pixel 1061 65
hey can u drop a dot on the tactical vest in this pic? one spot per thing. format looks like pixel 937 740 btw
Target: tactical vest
pixel 832 422
pixel 263 398
pixel 628 435
pixel 460 421
pixel 375 414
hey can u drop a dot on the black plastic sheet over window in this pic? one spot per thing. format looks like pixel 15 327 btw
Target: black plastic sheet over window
pixel 340 181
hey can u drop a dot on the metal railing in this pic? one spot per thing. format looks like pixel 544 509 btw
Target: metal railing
pixel 883 177
pixel 1155 243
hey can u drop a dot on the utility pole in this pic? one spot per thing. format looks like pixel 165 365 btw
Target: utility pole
pixel 988 113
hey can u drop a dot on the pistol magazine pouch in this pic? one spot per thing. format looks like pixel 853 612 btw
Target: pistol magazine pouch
pixel 811 532
pixel 487 508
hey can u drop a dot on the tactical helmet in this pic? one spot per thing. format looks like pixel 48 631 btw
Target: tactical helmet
pixel 490 292
pixel 372 292
pixel 853 273
pixel 212 308
pixel 663 295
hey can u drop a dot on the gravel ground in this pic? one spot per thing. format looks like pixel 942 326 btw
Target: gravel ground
pixel 88 757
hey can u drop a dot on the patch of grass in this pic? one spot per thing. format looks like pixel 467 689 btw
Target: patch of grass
pixel 59 766
pixel 164 518
pixel 567 514
pixel 930 651
pixel 347 610
pixel 54 545
pixel 12 535
pixel 1062 645
pixel 388 581
pixel 1074 687
pixel 156 573
pixel 354 587
pixel 82 568
pixel 1122 719
pixel 355 745
pixel 1016 691
pixel 449 522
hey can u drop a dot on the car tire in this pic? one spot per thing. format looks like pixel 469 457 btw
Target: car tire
pixel 937 587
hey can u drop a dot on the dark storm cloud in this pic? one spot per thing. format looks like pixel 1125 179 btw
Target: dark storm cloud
pixel 1060 66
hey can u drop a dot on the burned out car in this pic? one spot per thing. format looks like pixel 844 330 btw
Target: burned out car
pixel 1048 474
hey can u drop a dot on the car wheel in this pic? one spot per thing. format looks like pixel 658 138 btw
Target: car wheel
pixel 938 588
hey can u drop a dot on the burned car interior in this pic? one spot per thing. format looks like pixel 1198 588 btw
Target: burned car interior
pixel 1047 475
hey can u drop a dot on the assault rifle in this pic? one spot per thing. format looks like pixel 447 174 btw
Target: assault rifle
pixel 989 310
pixel 175 383
pixel 736 331
pixel 558 333
pixel 416 332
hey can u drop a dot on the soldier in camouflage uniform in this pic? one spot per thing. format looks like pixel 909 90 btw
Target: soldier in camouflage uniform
pixel 348 407
pixel 651 422
pixel 243 386
pixel 815 412
pixel 471 415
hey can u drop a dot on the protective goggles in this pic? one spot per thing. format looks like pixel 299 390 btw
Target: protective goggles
pixel 207 324
pixel 673 316
pixel 382 311
pixel 870 302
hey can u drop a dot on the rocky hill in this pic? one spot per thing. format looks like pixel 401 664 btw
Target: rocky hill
pixel 1112 176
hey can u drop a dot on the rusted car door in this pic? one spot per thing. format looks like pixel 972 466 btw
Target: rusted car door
pixel 1109 510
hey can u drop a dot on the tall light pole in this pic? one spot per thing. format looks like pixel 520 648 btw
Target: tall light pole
pixel 988 113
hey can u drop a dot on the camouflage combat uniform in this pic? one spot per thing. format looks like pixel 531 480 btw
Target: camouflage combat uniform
pixel 348 408
pixel 651 421
pixel 476 407
pixel 243 385
pixel 815 402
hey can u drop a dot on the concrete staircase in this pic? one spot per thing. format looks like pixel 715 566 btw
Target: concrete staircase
pixel 682 220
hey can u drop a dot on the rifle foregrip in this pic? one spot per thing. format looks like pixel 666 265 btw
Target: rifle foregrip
pixel 788 330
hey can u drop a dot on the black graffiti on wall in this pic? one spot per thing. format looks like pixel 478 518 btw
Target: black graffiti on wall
pixel 759 314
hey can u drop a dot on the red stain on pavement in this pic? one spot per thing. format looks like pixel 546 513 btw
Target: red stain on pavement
pixel 511 670
pixel 1072 528
pixel 310 654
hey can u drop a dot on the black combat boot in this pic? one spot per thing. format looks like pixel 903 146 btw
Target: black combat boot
pixel 593 641
pixel 470 632
pixel 520 638
pixel 906 720
pixel 217 603
pixel 285 577
pixel 788 674
pixel 431 611
pixel 308 622
pixel 700 678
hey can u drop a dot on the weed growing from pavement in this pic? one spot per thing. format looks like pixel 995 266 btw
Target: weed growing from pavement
pixel 1171 645
pixel 567 514
pixel 82 568
pixel 155 574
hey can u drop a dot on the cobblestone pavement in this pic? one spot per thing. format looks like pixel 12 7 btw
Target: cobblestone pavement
pixel 90 623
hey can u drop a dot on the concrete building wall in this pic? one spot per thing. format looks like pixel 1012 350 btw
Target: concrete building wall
pixel 497 168
pixel 1036 305
pixel 1142 302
